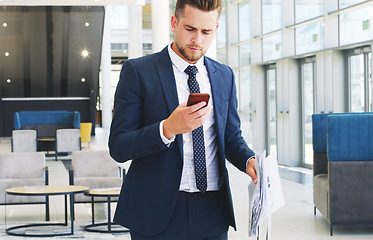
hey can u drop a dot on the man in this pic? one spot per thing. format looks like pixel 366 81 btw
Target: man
pixel 173 191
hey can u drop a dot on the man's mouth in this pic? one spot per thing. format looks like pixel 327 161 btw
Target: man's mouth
pixel 195 49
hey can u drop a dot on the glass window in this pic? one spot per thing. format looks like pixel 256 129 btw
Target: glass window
pixel 245 90
pixel 360 79
pixel 271 15
pixel 356 26
pixel 221 56
pixel 147 16
pixel 272 109
pixel 119 17
pixel 308 9
pixel 245 104
pixel 244 21
pixel 245 55
pixel 308 70
pixel 221 38
pixel 309 38
pixel 357 83
pixel 347 3
pixel 369 74
pixel 272 47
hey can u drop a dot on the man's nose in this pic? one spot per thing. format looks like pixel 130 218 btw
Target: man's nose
pixel 197 38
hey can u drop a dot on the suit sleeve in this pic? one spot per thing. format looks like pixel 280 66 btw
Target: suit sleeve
pixel 129 137
pixel 237 150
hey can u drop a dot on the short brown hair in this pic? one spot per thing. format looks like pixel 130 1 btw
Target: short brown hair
pixel 204 5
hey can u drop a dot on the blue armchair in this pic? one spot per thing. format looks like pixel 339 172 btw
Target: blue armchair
pixel 343 166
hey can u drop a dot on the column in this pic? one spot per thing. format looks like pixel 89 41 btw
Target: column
pixel 161 23
pixel 135 31
pixel 105 72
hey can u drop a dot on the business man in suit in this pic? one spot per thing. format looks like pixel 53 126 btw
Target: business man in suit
pixel 177 186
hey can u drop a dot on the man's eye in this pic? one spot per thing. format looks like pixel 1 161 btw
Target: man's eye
pixel 189 29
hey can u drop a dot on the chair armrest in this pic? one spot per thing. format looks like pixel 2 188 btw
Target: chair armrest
pixel 71 175
pixel 46 175
pixel 123 173
pixel 320 163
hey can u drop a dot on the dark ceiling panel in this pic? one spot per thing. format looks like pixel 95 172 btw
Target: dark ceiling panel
pixel 45 46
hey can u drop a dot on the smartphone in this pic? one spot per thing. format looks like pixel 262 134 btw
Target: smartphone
pixel 198 97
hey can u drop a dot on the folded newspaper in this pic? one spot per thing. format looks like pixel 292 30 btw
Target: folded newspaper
pixel 266 196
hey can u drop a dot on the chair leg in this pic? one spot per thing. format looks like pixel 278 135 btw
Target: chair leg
pixel 331 229
pixel 314 210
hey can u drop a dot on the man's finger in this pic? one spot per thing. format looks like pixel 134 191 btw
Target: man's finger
pixel 251 171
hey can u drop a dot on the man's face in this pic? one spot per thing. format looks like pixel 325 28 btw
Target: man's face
pixel 193 33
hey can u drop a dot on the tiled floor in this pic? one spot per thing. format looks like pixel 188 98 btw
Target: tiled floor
pixel 294 221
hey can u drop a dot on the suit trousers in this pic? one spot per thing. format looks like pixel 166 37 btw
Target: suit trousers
pixel 197 216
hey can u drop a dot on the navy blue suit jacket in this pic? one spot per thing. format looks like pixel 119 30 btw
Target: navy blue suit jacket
pixel 146 94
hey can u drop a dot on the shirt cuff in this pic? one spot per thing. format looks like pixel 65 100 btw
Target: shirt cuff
pixel 247 162
pixel 164 139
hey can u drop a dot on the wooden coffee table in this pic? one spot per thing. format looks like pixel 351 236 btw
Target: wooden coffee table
pixel 47 190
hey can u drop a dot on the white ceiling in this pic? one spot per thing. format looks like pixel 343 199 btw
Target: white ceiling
pixel 69 2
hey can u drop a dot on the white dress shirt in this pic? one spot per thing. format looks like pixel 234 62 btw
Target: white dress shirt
pixel 188 182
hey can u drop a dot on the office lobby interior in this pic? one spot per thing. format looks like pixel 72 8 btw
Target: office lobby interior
pixel 292 59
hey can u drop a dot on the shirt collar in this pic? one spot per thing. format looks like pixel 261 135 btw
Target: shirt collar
pixel 180 63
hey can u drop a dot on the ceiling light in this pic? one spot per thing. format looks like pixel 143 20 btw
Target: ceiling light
pixel 85 53
pixel 86 24
pixel 5 24
pixel 7 54
pixel 83 79
pixel 8 80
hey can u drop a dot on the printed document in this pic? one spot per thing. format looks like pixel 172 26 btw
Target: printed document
pixel 266 196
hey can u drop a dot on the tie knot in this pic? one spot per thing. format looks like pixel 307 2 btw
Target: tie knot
pixel 191 70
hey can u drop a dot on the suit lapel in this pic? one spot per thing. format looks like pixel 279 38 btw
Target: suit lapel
pixel 167 80
pixel 217 94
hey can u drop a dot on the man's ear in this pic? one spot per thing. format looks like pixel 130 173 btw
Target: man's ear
pixel 173 22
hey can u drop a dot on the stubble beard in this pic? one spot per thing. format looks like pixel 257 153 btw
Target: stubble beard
pixel 190 57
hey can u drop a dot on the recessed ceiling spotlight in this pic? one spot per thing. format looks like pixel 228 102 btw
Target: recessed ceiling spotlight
pixel 5 24
pixel 83 79
pixel 85 53
pixel 6 54
pixel 86 24
pixel 8 80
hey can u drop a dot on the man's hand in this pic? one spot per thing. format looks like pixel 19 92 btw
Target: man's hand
pixel 251 170
pixel 185 119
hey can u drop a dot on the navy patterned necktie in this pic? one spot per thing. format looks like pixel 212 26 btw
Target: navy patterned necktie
pixel 198 140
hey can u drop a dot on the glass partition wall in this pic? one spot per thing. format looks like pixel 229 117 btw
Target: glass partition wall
pixel 308 73
pixel 293 59
pixel 360 79
pixel 271 108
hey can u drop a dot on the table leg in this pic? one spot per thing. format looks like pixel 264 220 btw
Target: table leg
pixel 72 217
pixel 109 214
pixel 66 210
pixel 93 209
